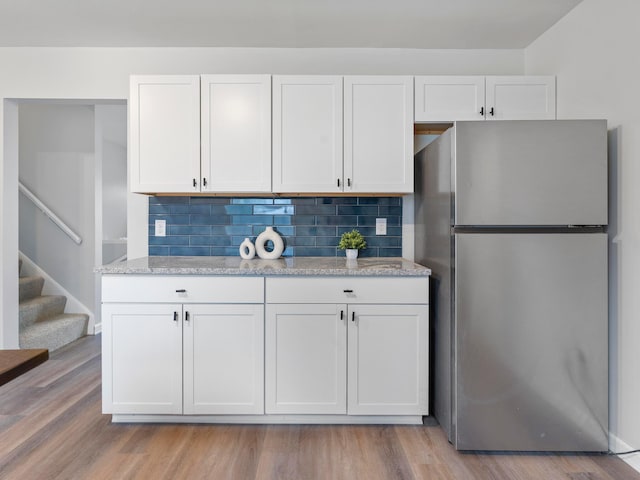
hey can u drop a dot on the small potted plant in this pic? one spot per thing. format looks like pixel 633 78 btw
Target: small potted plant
pixel 352 242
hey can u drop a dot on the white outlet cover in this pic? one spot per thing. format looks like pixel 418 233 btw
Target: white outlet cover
pixel 161 228
pixel 381 226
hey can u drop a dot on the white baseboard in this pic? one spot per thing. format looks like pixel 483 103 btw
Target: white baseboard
pixel 51 287
pixel 617 445
pixel 272 419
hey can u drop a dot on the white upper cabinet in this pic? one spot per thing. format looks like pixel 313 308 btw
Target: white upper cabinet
pixel 521 98
pixel 164 133
pixel 313 153
pixel 451 98
pixel 307 134
pixel 378 134
pixel 444 98
pixel 194 134
pixel 236 133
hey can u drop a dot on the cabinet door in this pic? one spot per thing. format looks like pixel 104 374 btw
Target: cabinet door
pixel 305 361
pixel 223 359
pixel 378 134
pixel 449 98
pixel 307 134
pixel 164 115
pixel 142 358
pixel 521 98
pixel 388 360
pixel 236 133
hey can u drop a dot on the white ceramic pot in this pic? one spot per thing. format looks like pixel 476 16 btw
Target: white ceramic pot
pixel 247 249
pixel 278 244
pixel 352 253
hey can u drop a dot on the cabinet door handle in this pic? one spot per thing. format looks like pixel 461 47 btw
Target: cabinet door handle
pixel 353 316
pixel 195 184
pixel 204 182
pixel 491 111
pixel 338 182
pixel 341 314
pixel 348 182
pixel 181 290
pixel 482 111
pixel 175 316
pixel 186 316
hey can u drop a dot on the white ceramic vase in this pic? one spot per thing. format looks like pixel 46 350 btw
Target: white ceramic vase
pixel 278 244
pixel 352 253
pixel 247 249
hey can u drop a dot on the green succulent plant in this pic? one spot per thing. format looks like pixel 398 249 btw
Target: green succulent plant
pixel 352 239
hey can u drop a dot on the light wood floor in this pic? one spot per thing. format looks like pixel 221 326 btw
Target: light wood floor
pixel 51 428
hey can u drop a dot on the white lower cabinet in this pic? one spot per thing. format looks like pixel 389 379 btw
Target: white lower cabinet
pixel 306 359
pixel 223 358
pixel 182 358
pixel 346 358
pixel 387 361
pixel 321 349
pixel 142 358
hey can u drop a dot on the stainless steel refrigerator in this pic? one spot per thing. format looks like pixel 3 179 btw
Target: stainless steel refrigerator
pixel 511 217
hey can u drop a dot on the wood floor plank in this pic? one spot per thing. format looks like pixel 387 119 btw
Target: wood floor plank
pixel 52 428
pixel 50 406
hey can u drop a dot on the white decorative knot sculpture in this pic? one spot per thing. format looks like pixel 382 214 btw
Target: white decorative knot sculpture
pixel 278 245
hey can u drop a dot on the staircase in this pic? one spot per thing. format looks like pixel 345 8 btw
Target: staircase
pixel 43 323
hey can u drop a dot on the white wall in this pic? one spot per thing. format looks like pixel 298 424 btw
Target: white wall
pixel 111 141
pixel 56 150
pixel 103 73
pixel 594 53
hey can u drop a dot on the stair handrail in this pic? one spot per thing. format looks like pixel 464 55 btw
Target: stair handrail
pixel 49 213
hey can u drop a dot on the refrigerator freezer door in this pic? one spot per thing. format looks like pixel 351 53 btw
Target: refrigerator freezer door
pixel 531 342
pixel 536 172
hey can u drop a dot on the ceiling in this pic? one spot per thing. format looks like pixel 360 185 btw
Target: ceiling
pixel 427 24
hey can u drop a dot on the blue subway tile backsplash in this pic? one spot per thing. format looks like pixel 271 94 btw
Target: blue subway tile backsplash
pixel 310 226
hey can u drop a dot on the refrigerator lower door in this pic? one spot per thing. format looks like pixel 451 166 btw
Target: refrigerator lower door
pixel 531 342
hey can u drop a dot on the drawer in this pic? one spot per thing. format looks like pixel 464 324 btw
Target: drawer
pixel 168 289
pixel 347 290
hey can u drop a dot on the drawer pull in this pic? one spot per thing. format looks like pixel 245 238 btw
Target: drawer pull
pixel 348 291
pixel 182 290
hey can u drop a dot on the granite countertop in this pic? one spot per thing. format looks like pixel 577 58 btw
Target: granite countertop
pixel 332 266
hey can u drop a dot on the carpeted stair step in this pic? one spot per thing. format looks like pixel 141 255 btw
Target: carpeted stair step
pixel 54 332
pixel 39 308
pixel 30 287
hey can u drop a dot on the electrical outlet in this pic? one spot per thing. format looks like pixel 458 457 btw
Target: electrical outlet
pixel 381 226
pixel 161 228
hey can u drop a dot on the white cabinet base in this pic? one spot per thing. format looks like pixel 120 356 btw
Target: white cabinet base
pixel 274 419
